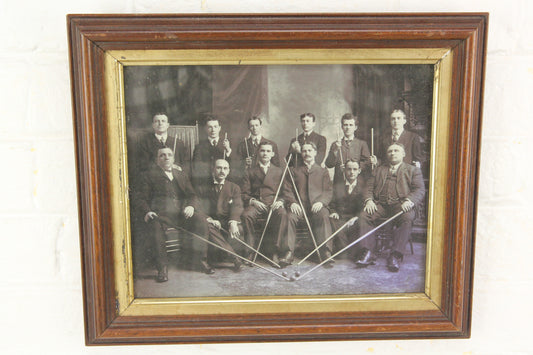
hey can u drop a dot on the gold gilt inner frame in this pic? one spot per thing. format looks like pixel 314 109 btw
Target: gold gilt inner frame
pixel 101 45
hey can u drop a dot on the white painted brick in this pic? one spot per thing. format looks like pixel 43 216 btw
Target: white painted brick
pixel 31 256
pixel 508 21
pixel 499 231
pixel 40 290
pixel 42 26
pixel 49 111
pixel 506 114
pixel 55 185
pixel 500 185
pixel 164 6
pixel 14 89
pixel 18 176
pixel 55 311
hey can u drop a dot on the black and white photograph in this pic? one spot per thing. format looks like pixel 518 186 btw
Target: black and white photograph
pixel 273 180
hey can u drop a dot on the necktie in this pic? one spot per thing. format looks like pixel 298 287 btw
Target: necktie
pixel 395 136
pixel 214 143
pixel 256 142
pixel 162 141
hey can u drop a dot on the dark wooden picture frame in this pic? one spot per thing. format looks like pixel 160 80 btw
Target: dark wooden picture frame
pixel 112 316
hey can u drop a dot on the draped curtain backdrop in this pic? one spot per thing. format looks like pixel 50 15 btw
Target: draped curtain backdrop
pixel 379 89
pixel 239 92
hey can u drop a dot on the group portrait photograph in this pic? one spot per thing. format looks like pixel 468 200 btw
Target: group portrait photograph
pixel 278 180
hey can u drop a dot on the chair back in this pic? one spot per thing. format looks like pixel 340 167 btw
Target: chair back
pixel 188 134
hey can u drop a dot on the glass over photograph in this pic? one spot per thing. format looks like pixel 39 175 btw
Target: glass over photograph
pixel 272 180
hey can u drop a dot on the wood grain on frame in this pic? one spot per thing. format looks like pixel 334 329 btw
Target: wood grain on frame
pixel 91 36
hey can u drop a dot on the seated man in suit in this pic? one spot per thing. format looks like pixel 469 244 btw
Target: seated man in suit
pixel 308 136
pixel 347 202
pixel 222 202
pixel 209 150
pixel 165 195
pixel 314 188
pixel 249 147
pixel 151 142
pixel 395 186
pixel 397 134
pixel 348 147
pixel 259 187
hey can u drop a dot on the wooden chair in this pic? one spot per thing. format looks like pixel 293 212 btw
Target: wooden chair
pixel 188 134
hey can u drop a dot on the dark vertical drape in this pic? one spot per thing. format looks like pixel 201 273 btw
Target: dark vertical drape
pixel 379 89
pixel 238 93
pixel 184 93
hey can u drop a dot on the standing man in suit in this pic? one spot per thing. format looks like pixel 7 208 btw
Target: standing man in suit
pixel 165 191
pixel 151 142
pixel 247 150
pixel 396 186
pixel 347 148
pixel 308 122
pixel 208 151
pixel 259 187
pixel 347 201
pixel 222 203
pixel 313 185
pixel 397 134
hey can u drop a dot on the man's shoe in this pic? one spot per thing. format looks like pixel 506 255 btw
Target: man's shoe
pixel 286 260
pixel 364 258
pixel 275 258
pixel 206 268
pixel 394 260
pixel 162 275
pixel 237 265
pixel 328 264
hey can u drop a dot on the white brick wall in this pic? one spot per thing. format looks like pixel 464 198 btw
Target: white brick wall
pixel 40 283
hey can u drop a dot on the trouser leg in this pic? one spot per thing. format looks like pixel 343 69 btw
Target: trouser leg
pixel 402 233
pixel 249 217
pixel 287 242
pixel 198 225
pixel 278 228
pixel 159 244
pixel 321 228
pixel 366 223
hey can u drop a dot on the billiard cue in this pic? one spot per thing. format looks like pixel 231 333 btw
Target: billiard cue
pixel 247 151
pixel 170 224
pixel 305 214
pixel 225 137
pixel 271 210
pixel 250 247
pixel 342 160
pixel 352 243
pixel 350 222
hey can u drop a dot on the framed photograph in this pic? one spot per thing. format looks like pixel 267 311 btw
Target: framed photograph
pixel 277 177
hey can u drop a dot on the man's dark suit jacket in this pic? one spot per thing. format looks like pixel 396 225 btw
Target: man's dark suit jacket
pixel 223 206
pixel 204 156
pixel 149 145
pixel 242 153
pixel 317 189
pixel 356 150
pixel 260 186
pixel 411 142
pixel 167 198
pixel 409 183
pixel 348 204
pixel 317 139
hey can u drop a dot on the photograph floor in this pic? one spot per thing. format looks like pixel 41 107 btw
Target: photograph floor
pixel 343 279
